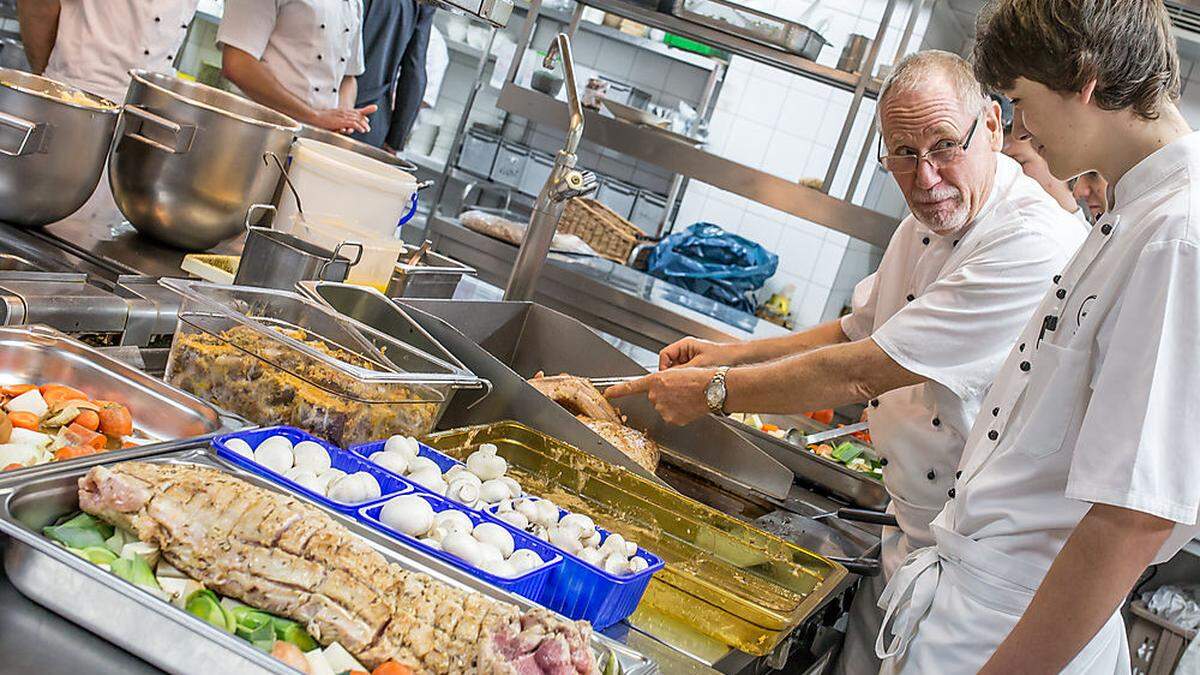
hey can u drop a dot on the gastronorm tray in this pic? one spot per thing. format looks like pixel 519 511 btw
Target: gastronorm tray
pixel 434 276
pixel 389 485
pixel 30 354
pixel 124 614
pixel 858 488
pixel 529 584
pixel 768 29
pixel 723 577
pixel 576 589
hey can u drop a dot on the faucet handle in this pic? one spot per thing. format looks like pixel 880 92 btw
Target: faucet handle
pixel 576 183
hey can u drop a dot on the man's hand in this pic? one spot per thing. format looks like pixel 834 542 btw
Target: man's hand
pixel 343 120
pixel 677 394
pixel 695 353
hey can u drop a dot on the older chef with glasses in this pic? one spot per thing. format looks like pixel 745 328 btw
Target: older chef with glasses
pixel 300 57
pixel 928 330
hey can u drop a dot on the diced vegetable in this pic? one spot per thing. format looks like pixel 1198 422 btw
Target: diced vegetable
pixel 290 631
pixel 340 660
pixel 289 654
pixel 135 570
pixel 119 538
pixel 88 419
pixel 74 536
pixel 317 665
pixel 25 455
pixel 6 429
pixel 30 402
pixel 612 665
pixel 204 604
pixel 178 589
pixel 73 452
pixel 81 519
pixel 144 550
pixel 14 390
pixel 24 420
pixel 847 451
pixel 14 465
pixel 115 419
pixel 256 628
pixel 55 395
pixel 99 555
pixel 29 437
pixel 392 668
pixel 77 435
pixel 61 418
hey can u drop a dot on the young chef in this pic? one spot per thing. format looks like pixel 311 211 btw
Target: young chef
pixel 1080 471
pixel 299 57
pixel 396 35
pixel 1017 146
pixel 929 329
pixel 93 44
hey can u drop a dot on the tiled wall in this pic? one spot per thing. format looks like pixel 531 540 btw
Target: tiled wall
pixel 788 125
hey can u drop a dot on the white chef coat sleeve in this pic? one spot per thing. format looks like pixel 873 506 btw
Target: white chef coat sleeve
pixel 961 328
pixel 1136 446
pixel 861 319
pixel 247 25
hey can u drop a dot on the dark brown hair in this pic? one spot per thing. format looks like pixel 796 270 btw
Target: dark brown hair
pixel 1125 45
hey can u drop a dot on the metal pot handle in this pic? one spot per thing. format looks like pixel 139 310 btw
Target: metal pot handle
pixel 35 132
pixel 337 251
pixel 182 133
pixel 260 207
pixel 286 179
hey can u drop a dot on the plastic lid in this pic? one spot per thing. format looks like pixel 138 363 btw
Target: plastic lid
pixel 353 167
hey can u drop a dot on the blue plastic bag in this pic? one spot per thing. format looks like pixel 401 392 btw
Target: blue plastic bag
pixel 707 260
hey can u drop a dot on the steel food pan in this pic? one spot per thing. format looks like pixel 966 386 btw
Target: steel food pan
pixel 858 488
pixel 156 630
pixel 759 26
pixel 435 276
pixel 35 354
pixel 723 577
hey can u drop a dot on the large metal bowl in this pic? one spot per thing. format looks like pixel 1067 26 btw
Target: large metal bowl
pixel 188 160
pixel 53 141
pixel 347 143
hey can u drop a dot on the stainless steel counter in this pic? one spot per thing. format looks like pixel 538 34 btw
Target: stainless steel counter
pixel 612 298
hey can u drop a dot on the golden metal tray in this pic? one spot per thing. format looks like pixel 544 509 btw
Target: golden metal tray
pixel 724 578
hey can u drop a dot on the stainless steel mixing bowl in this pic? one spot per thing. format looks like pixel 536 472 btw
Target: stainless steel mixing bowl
pixel 53 141
pixel 188 160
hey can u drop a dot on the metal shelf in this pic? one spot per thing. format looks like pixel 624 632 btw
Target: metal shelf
pixel 468 50
pixel 765 188
pixel 734 44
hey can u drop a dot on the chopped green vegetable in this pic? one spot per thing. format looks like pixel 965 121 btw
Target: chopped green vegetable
pixel 255 627
pixel 73 536
pixel 290 631
pixel 847 451
pixel 135 570
pixel 118 540
pixel 81 519
pixel 612 666
pixel 204 604
pixel 95 554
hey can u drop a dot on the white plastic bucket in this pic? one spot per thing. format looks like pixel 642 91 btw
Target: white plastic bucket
pixel 338 183
pixel 379 254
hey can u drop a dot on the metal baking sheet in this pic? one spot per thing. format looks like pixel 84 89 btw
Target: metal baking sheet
pixel 859 489
pixel 145 625
pixel 36 354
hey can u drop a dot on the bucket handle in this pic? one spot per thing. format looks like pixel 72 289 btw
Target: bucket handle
pixel 183 134
pixel 336 253
pixel 412 211
pixel 35 133
pixel 286 179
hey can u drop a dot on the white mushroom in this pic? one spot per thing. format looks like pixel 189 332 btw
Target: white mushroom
pixel 547 513
pixel 457 470
pixel 310 455
pixel 529 509
pixel 485 463
pixel 409 514
pixel 566 539
pixel 502 569
pixel 538 530
pixel 585 524
pixel 402 445
pixel 324 480
pixel 239 446
pixel 421 464
pixel 593 541
pixel 452 520
pixel 616 564
pixel 496 536
pixel 494 491
pixel 370 484
pixel 524 560
pixel 514 518
pixel 514 488
pixel 463 491
pixel 462 546
pixel 488 554
pixel 615 543
pixel 395 462
pixel 275 454
pixel 309 481
pixel 432 543
pixel 591 556
pixel 430 480
pixel 637 563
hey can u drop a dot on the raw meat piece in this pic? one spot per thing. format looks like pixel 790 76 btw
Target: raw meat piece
pixel 578 396
pixel 283 556
pixel 633 443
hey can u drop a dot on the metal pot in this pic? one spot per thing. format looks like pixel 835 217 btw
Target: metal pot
pixel 189 160
pixel 53 141
pixel 347 143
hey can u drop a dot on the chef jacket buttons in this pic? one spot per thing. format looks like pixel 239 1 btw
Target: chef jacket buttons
pixel 937 422
pixel 1061 293
pixel 146 52
pixel 910 297
pixel 1057 278
pixel 995 412
pixel 954 243
pixel 157 19
pixel 950 493
pixel 342 59
pixel 993 435
pixel 957 475
pixel 931 475
pixel 875 403
pixel 322 26
pixel 883 461
pixel 1021 347
pixel 1025 366
pixel 320 58
pixel 1106 228
pixel 925 241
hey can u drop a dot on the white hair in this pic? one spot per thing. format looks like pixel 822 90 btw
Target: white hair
pixel 915 71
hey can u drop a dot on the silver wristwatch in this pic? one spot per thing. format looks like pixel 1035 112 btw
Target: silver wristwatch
pixel 714 393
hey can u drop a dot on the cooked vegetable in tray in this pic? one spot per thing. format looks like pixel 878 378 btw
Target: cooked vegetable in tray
pixel 52 422
pixel 847 453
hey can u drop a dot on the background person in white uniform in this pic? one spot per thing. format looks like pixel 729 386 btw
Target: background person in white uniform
pixel 1082 469
pixel 300 57
pixel 929 329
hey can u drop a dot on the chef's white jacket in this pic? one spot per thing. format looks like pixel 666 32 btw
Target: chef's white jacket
pixel 309 45
pixel 1096 404
pixel 949 308
pixel 100 41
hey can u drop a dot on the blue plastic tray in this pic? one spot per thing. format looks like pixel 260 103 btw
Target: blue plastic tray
pixel 444 462
pixel 579 590
pixel 530 585
pixel 389 484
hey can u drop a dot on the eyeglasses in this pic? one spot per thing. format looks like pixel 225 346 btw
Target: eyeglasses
pixel 945 153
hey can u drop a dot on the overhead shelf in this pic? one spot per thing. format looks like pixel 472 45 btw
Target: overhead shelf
pixel 734 44
pixel 662 150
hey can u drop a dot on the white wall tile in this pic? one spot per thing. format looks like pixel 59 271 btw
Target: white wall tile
pixel 828 261
pixel 720 213
pixel 748 143
pixel 787 155
pixel 809 311
pixel 761 230
pixel 616 59
pixel 762 101
pixel 650 70
pixel 798 252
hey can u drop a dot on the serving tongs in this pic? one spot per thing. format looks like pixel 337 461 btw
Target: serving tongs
pixel 611 380
pixel 797 437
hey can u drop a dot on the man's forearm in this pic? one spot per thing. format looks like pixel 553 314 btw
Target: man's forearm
pixel 347 92
pixel 769 349
pixel 257 81
pixel 1088 581
pixel 39 30
pixel 823 378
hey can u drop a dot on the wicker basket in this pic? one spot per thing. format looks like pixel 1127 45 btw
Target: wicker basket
pixel 1155 644
pixel 603 229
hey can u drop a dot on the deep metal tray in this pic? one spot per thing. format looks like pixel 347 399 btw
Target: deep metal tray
pixel 155 630
pixel 160 411
pixel 435 276
pixel 859 489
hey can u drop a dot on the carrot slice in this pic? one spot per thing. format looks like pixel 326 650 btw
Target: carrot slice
pixel 78 435
pixel 73 451
pixel 392 668
pixel 24 420
pixel 14 390
pixel 115 419
pixel 55 395
pixel 88 419
pixel 13 466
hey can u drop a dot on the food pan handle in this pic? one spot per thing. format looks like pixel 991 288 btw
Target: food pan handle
pixel 868 516
pixel 334 256
pixel 183 134
pixel 255 208
pixel 31 142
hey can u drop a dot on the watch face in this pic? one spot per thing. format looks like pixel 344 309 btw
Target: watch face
pixel 715 394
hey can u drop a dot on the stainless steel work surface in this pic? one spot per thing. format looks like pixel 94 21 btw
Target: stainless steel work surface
pixel 613 298
pixel 525 338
